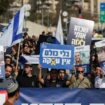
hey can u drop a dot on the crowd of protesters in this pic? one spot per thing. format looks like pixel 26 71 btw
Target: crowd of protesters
pixel 29 75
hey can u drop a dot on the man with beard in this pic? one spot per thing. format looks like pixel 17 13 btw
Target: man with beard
pixel 27 79
pixel 8 71
pixel 8 75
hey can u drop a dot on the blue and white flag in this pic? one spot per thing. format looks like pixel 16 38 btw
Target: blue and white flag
pixel 13 32
pixel 59 32
pixel 31 59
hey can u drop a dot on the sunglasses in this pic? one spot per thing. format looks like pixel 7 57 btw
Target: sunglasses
pixel 80 71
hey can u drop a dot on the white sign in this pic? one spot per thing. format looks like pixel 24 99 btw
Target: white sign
pixel 3 95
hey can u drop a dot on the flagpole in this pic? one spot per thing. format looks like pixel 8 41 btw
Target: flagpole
pixel 17 60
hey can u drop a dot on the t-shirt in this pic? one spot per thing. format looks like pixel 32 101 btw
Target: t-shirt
pixel 25 81
pixel 55 83
pixel 61 83
pixel 85 83
pixel 50 82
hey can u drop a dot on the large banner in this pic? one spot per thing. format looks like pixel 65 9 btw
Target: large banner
pixel 57 56
pixel 80 32
pixel 82 57
pixel 3 96
pixel 2 67
pixel 61 96
pixel 100 46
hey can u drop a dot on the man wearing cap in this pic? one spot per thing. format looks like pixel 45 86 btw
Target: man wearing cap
pixel 13 92
pixel 27 79
pixel 8 59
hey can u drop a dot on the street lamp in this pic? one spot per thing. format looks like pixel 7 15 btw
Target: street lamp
pixel 65 13
pixel 27 14
pixel 65 20
pixel 48 3
pixel 43 7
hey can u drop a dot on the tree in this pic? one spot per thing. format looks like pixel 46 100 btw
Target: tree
pixel 4 5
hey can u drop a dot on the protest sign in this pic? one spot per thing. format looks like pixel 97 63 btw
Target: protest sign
pixel 2 68
pixel 82 57
pixel 3 96
pixel 100 47
pixel 80 32
pixel 57 56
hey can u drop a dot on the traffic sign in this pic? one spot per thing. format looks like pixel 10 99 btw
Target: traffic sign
pixel 102 6
pixel 102 11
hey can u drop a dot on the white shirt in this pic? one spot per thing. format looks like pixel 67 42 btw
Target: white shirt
pixel 98 82
pixel 103 83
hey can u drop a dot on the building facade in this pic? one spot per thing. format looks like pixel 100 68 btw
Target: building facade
pixel 91 9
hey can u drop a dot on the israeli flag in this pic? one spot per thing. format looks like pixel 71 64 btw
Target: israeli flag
pixel 31 59
pixel 13 32
pixel 59 32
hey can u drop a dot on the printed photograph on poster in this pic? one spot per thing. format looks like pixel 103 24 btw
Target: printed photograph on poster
pixel 81 58
pixel 80 32
pixel 82 55
pixel 101 54
pixel 100 47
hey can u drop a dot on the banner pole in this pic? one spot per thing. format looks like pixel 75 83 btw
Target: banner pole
pixel 17 60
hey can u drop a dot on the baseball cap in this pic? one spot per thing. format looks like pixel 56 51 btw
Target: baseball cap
pixel 27 65
pixel 8 56
pixel 12 86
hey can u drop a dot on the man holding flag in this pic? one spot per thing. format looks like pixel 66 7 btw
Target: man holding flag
pixel 13 32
